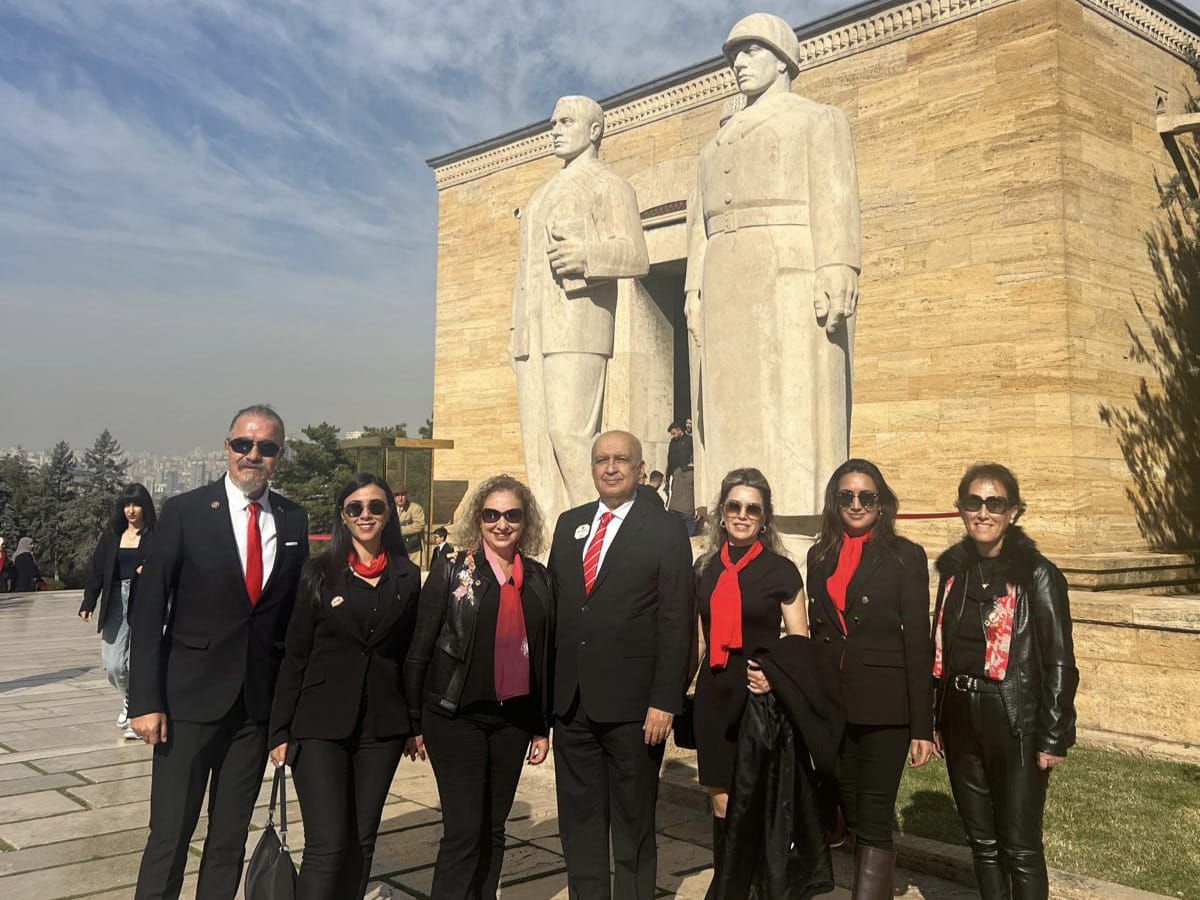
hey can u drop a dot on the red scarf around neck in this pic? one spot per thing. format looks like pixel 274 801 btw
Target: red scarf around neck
pixel 849 556
pixel 510 652
pixel 368 570
pixel 725 631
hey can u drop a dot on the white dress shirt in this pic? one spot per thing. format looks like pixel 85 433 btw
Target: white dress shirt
pixel 239 514
pixel 614 525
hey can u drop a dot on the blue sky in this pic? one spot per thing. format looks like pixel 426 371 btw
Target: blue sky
pixel 207 203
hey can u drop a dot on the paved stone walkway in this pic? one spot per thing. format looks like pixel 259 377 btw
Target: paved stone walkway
pixel 74 795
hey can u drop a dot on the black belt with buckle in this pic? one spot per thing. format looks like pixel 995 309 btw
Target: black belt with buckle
pixel 969 684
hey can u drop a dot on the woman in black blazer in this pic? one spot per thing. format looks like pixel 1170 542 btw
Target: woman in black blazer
pixel 339 716
pixel 110 581
pixel 26 573
pixel 477 680
pixel 869 616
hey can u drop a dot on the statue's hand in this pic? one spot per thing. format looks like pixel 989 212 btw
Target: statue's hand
pixel 691 313
pixel 567 255
pixel 836 295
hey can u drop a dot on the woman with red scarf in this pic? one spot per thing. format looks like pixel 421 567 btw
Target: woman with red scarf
pixel 870 621
pixel 745 585
pixel 339 717
pixel 477 680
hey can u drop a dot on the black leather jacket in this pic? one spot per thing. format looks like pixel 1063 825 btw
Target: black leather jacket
pixel 440 656
pixel 1038 690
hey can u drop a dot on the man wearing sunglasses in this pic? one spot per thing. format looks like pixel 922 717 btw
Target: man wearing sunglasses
pixel 213 606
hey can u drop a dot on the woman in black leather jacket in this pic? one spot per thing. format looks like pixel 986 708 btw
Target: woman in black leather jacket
pixel 477 679
pixel 1006 678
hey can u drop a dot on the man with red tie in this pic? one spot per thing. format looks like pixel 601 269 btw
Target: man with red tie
pixel 213 606
pixel 625 625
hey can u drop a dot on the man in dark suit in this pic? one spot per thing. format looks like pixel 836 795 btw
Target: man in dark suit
pixel 441 545
pixel 213 606
pixel 623 567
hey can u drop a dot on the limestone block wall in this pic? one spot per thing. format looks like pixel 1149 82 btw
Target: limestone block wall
pixel 1007 153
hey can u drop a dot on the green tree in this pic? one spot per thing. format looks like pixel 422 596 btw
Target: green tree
pixel 104 472
pixel 19 480
pixel 392 431
pixel 56 527
pixel 312 471
pixel 426 430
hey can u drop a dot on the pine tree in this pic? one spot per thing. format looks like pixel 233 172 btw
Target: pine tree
pixel 311 473
pixel 103 473
pixel 54 530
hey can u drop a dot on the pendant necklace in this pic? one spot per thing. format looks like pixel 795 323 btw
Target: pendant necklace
pixel 984 584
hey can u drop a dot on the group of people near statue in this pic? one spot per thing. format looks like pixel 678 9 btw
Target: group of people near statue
pixel 242 647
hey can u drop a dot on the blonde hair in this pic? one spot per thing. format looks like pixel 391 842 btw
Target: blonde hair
pixel 469 533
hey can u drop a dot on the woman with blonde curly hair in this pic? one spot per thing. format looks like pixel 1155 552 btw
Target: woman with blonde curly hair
pixel 477 679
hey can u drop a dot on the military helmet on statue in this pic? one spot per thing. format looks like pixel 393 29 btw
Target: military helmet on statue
pixel 770 31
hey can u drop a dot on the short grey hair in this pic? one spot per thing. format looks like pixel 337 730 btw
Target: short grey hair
pixel 262 411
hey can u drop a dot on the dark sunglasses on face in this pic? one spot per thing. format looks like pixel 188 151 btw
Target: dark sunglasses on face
pixel 244 445
pixel 511 516
pixel 750 510
pixel 973 503
pixel 867 499
pixel 354 508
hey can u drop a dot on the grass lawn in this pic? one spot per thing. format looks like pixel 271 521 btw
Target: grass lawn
pixel 1118 818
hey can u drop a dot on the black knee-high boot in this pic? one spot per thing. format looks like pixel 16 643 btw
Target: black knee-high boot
pixel 718 850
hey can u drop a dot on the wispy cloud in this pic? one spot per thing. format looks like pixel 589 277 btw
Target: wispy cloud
pixel 205 202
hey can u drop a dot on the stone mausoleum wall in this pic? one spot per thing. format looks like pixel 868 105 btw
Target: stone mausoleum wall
pixel 1007 153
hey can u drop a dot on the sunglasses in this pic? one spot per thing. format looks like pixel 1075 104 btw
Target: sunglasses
pixel 973 503
pixel 244 445
pixel 867 499
pixel 749 510
pixel 511 516
pixel 355 508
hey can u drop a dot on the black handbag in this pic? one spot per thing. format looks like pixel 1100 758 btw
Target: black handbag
pixel 684 725
pixel 271 874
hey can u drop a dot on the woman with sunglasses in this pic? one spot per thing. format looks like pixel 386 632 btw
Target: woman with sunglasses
pixel 339 717
pixel 745 585
pixel 477 679
pixel 111 581
pixel 1006 679
pixel 870 622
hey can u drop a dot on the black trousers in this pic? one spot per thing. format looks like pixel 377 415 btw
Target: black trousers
pixel 342 786
pixel 477 760
pixel 869 767
pixel 1000 792
pixel 228 758
pixel 605 776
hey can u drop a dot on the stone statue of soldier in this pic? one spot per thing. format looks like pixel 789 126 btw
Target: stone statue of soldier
pixel 774 253
pixel 580 233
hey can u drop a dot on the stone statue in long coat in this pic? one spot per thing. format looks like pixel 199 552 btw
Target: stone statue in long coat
pixel 774 253
pixel 581 240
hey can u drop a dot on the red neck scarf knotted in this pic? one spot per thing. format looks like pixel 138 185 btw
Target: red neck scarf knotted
pixel 368 570
pixel 849 556
pixel 510 652
pixel 725 632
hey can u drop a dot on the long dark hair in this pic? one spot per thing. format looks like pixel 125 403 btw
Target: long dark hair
pixel 136 494
pixel 883 533
pixel 329 564
pixel 715 527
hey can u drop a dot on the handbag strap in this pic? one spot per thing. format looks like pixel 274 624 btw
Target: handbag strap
pixel 282 777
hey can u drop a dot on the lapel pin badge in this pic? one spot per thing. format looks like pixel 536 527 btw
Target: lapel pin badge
pixel 216 504
pixel 582 531
pixel 337 601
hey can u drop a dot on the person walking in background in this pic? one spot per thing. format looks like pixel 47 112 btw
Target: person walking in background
pixel 339 716
pixel 225 560
pixel 5 567
pixel 869 613
pixel 656 481
pixel 679 452
pixel 745 585
pixel 1006 680
pixel 412 523
pixel 441 545
pixel 26 572
pixel 682 501
pixel 110 581
pixel 477 680
pixel 622 568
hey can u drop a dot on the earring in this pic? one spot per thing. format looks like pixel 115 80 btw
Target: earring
pixel 762 529
pixel 721 524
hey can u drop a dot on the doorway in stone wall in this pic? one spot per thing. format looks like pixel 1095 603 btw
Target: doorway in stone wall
pixel 664 284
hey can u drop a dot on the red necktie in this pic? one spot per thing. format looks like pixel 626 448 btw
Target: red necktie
pixel 254 562
pixel 591 559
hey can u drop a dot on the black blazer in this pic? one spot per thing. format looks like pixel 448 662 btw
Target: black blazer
pixel 625 647
pixel 444 644
pixel 885 661
pixel 213 645
pixel 26 573
pixel 332 666
pixel 101 571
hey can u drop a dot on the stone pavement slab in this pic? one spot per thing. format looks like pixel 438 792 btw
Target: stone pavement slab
pixel 74 794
